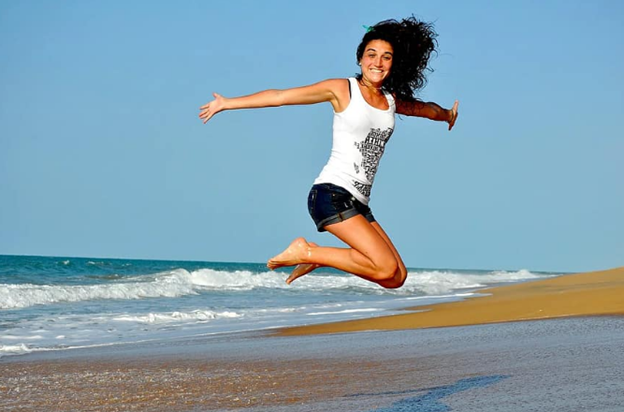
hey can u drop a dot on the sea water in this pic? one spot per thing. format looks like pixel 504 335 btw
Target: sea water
pixel 56 303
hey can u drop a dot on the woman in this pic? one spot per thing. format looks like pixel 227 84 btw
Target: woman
pixel 393 57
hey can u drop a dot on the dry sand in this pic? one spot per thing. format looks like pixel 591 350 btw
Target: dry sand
pixel 585 294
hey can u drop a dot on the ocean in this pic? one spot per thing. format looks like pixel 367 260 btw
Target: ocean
pixel 59 303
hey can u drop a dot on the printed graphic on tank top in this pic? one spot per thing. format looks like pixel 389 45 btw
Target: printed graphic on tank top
pixel 372 148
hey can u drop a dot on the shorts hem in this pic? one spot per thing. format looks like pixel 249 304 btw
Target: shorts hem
pixel 337 218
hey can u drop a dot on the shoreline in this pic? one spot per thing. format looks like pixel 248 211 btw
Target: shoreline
pixel 490 368
pixel 599 293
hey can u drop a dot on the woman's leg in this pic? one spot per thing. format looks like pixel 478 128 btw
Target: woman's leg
pixel 371 255
pixel 401 275
pixel 303 268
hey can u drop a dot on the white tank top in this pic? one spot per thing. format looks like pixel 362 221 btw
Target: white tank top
pixel 360 136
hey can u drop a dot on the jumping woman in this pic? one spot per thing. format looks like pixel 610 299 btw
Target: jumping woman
pixel 393 57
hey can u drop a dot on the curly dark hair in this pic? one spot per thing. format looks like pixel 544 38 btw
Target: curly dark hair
pixel 413 42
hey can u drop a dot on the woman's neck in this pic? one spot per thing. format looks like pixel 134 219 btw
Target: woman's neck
pixel 370 86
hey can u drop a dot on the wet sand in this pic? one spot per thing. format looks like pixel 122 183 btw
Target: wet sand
pixel 565 365
pixel 568 363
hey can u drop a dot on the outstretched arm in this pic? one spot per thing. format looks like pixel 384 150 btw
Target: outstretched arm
pixel 325 91
pixel 429 110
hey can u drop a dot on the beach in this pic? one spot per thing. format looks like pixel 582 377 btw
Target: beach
pixel 583 294
pixel 568 360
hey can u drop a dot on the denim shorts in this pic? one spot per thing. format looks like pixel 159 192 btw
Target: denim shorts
pixel 329 204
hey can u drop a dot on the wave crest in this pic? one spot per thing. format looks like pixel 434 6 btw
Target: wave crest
pixel 180 282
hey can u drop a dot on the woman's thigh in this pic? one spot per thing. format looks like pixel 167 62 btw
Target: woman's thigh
pixel 361 235
pixel 386 238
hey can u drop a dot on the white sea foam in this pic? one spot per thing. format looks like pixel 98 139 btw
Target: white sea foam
pixel 181 282
pixel 26 295
pixel 14 349
pixel 235 280
pixel 442 282
pixel 93 307
pixel 196 315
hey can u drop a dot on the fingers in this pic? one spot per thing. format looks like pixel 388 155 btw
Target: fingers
pixel 206 114
pixel 210 109
pixel 452 122
pixel 455 115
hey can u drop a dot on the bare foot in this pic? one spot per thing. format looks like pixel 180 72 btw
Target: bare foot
pixel 294 254
pixel 302 269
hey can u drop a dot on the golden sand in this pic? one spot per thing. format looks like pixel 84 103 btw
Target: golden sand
pixel 584 294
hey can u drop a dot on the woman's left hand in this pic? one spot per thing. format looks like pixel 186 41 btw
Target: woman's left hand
pixel 454 114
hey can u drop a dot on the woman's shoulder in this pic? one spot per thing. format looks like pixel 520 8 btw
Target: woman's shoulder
pixel 341 89
pixel 338 85
pixel 338 82
pixel 335 86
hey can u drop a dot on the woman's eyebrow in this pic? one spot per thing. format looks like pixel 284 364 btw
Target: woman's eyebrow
pixel 372 49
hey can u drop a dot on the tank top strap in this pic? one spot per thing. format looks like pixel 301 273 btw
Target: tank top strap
pixel 356 93
pixel 390 99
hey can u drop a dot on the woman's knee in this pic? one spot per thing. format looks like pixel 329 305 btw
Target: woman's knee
pixel 397 280
pixel 386 268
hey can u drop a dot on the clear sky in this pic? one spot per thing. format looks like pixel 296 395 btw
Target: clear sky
pixel 102 153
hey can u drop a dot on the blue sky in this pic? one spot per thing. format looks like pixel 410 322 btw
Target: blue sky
pixel 102 153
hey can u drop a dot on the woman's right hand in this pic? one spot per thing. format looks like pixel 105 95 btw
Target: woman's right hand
pixel 210 109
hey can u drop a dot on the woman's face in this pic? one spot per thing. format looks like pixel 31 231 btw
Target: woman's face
pixel 376 61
